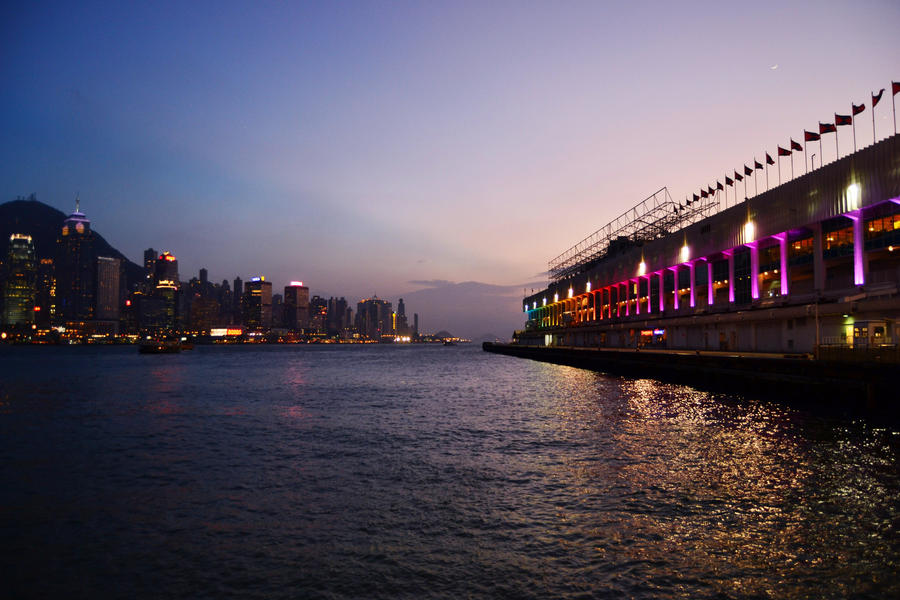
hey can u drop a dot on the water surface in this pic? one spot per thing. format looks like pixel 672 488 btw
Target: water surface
pixel 417 472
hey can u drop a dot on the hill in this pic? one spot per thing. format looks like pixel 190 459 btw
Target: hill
pixel 43 224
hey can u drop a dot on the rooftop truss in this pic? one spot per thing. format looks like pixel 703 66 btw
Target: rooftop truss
pixel 654 217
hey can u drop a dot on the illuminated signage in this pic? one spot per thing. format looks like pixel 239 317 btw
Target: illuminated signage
pixel 296 284
pixel 225 331
pixel 659 332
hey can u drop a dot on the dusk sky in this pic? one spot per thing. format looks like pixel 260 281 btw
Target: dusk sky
pixel 370 147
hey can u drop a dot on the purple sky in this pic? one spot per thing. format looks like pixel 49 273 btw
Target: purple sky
pixel 366 147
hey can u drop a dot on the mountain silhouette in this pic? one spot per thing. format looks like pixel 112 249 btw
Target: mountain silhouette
pixel 43 223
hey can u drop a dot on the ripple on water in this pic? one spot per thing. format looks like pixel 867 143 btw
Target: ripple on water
pixel 425 472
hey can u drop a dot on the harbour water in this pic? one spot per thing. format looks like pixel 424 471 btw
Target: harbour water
pixel 425 472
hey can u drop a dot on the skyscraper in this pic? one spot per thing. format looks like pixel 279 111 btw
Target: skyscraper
pixel 373 318
pixel 75 269
pixel 109 277
pixel 149 269
pixel 166 276
pixel 21 277
pixel 296 305
pixel 258 303
pixel 237 299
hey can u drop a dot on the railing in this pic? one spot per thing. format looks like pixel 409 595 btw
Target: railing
pixel 888 353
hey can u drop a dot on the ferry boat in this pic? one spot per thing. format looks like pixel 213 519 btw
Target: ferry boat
pixel 160 346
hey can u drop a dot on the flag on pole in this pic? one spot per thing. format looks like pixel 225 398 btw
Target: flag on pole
pixel 696 198
pixel 711 191
pixel 796 146
pixel 895 87
pixel 858 109
pixel 756 164
pixel 826 128
pixel 810 136
pixel 729 180
pixel 703 194
pixel 738 176
pixel 875 100
pixel 840 120
pixel 769 160
pixel 748 170
pixel 719 185
pixel 783 152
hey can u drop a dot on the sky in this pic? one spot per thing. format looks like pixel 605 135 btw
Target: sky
pixel 399 148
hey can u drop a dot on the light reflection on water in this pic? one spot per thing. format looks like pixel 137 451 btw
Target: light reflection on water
pixel 426 472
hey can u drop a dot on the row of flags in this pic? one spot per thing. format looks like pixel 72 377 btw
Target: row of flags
pixel 808 136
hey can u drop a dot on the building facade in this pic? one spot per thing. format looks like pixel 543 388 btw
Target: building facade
pixel 20 287
pixel 811 263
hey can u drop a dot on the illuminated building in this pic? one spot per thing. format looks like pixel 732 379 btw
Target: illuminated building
pixel 166 269
pixel 109 291
pixel 21 278
pixel 806 265
pixel 401 326
pixel 75 270
pixel 336 318
pixel 237 298
pixel 257 303
pixel 45 298
pixel 296 306
pixel 318 313
pixel 149 268
pixel 373 318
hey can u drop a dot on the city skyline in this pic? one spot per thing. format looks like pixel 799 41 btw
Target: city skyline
pixel 396 149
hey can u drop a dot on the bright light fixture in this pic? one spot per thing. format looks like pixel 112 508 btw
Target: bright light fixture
pixel 642 268
pixel 853 196
pixel 685 253
pixel 749 232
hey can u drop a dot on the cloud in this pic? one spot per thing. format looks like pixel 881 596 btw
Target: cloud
pixel 432 283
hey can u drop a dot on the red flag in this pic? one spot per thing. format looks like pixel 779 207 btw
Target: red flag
pixel 783 152
pixel 842 120
pixel 711 191
pixel 796 146
pixel 809 136
pixel 748 170
pixel 729 180
pixel 738 176
pixel 876 98
pixel 696 198
pixel 858 109
pixel 703 194
pixel 895 87
pixel 756 164
pixel 769 160
pixel 719 186
pixel 826 128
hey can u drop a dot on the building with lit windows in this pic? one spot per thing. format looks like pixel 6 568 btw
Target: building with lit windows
pixel 257 303
pixel 76 269
pixel 374 318
pixel 109 288
pixel 810 264
pixel 296 306
pixel 19 288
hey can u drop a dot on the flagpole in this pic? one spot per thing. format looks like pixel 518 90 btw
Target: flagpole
pixel 779 166
pixel 837 153
pixel 894 106
pixel 874 139
pixel 755 181
pixel 767 175
pixel 821 154
pixel 806 162
pixel 792 163
pixel 853 124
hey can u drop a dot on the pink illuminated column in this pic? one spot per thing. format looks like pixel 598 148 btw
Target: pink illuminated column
pixel 637 295
pixel 730 255
pixel 859 267
pixel 710 291
pixel 693 297
pixel 674 286
pixel 627 285
pixel 754 270
pixel 649 306
pixel 662 291
pixel 782 250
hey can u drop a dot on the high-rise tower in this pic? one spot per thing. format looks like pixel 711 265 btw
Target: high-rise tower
pixel 75 269
pixel 21 277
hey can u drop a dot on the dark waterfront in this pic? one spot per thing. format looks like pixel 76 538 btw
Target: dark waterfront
pixel 385 472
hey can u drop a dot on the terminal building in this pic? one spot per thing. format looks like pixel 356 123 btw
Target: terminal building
pixel 808 265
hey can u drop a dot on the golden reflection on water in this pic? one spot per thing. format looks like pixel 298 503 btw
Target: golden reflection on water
pixel 733 489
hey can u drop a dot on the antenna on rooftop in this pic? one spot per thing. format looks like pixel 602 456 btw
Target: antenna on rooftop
pixel 77 202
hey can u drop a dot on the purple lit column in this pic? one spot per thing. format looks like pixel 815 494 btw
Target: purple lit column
pixel 649 295
pixel 782 249
pixel 754 269
pixel 662 291
pixel 637 294
pixel 730 255
pixel 674 286
pixel 710 291
pixel 693 297
pixel 859 268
